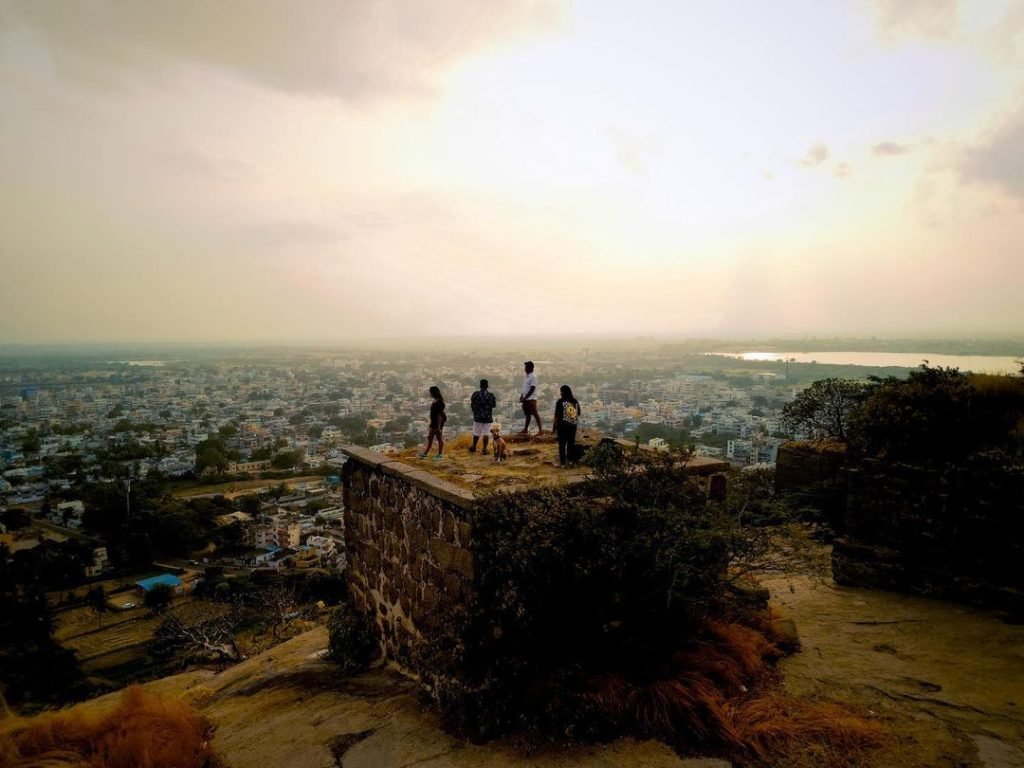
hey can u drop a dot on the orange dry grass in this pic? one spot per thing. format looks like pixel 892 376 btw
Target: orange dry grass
pixel 142 731
pixel 704 700
pixel 772 724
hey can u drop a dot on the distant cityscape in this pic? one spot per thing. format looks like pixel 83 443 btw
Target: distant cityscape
pixel 254 420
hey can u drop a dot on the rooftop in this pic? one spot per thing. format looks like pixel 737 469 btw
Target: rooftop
pixel 167 579
pixel 532 463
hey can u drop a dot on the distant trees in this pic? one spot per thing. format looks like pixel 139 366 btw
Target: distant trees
pixel 285 459
pixel 213 454
pixel 940 415
pixel 31 443
pixel 677 438
pixel 826 408
pixel 932 416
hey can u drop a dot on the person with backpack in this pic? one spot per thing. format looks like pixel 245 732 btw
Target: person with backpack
pixel 567 418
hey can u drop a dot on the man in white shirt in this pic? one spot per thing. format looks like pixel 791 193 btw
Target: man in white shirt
pixel 529 398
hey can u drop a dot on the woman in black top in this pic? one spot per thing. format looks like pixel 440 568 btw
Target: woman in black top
pixel 437 421
pixel 567 417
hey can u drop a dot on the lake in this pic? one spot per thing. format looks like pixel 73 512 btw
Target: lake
pixel 976 363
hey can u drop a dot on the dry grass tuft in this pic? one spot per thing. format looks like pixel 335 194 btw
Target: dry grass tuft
pixel 142 731
pixel 705 700
pixel 773 725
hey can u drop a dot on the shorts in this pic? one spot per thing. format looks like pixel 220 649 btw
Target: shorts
pixel 481 429
pixel 530 408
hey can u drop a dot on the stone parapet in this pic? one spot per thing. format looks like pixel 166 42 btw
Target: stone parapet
pixel 407 535
pixel 957 532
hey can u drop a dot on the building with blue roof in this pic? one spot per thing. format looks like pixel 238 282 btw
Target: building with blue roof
pixel 167 579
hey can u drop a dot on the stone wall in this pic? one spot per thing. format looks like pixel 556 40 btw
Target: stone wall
pixel 806 462
pixel 955 533
pixel 407 537
pixel 808 472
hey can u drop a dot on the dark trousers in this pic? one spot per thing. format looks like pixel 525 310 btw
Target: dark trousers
pixel 566 442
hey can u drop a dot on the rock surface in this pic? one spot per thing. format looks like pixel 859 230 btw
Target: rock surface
pixel 289 709
pixel 947 679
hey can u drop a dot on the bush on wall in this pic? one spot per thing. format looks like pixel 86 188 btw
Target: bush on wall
pixel 614 576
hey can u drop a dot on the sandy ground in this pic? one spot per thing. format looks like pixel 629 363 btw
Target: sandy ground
pixel 947 679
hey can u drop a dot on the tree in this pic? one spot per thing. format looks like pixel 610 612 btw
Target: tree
pixel 826 408
pixel 278 604
pixel 31 443
pixel 285 460
pixel 158 598
pixel 96 599
pixel 15 519
pixel 33 666
pixel 211 454
pixel 208 636
pixel 250 503
pixel 940 416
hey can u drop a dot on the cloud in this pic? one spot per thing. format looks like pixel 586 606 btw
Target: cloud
pixel 1006 39
pixel 842 171
pixel 934 19
pixel 346 50
pixel 209 164
pixel 889 149
pixel 999 161
pixel 816 155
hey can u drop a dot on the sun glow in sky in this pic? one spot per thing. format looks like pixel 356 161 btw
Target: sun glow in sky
pixel 322 170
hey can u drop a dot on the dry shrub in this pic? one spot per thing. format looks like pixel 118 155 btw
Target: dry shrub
pixel 142 731
pixel 705 700
pixel 774 725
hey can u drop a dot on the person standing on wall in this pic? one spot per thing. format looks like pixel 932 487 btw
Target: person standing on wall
pixel 482 403
pixel 567 418
pixel 529 398
pixel 437 421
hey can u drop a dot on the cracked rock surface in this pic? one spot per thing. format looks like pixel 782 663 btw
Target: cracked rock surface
pixel 946 679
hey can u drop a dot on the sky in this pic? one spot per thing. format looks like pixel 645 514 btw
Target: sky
pixel 256 170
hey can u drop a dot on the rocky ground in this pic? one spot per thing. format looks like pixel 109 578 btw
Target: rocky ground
pixel 947 679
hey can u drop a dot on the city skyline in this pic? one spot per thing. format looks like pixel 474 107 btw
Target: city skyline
pixel 247 173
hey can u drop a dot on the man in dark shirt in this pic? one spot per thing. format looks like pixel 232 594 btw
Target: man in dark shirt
pixel 482 404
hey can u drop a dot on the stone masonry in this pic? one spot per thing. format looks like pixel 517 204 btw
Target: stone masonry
pixel 407 536
pixel 956 533
pixel 408 540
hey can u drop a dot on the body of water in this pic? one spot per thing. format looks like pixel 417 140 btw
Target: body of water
pixel 148 363
pixel 976 363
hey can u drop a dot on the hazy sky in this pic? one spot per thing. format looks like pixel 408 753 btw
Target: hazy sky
pixel 321 169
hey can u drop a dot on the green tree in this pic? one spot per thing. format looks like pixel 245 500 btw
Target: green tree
pixel 826 408
pixel 940 415
pixel 285 459
pixel 31 443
